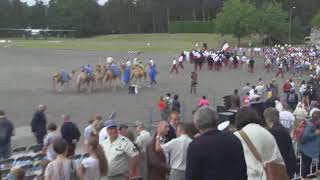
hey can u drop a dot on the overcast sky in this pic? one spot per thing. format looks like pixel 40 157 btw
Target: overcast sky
pixel 31 2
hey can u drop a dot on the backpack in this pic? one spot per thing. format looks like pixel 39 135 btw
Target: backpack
pixel 292 98
pixel 299 131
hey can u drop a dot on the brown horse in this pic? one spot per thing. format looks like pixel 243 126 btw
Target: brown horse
pixel 99 74
pixel 111 79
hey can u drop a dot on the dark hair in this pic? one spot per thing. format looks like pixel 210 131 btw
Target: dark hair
pixel 246 116
pixel 2 113
pixel 123 126
pixel 60 146
pixel 236 91
pixel 175 97
pixel 52 127
pixel 248 84
pixel 204 97
pixel 168 94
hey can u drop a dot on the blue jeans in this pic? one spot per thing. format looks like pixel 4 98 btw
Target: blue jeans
pixel 5 151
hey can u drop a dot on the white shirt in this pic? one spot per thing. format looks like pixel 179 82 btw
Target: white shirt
pixel 118 154
pixel 103 134
pixel 313 110
pixel 87 131
pixel 266 146
pixel 286 119
pixel 260 89
pixel 177 148
pixel 174 62
pixel 180 59
pixel 143 139
pixel 92 167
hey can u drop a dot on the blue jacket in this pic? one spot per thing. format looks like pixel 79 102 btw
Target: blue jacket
pixel 65 76
pixel 126 75
pixel 115 68
pixel 153 72
pixel 311 147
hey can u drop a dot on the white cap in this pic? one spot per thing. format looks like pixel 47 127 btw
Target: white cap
pixel 109 60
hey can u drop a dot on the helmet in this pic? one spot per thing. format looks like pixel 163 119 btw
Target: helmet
pixel 109 60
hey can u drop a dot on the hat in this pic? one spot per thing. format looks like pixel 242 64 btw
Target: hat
pixel 109 60
pixel 110 123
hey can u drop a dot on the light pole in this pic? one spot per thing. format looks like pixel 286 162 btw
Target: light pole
pixel 290 19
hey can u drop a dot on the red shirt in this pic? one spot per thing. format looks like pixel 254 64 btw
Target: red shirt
pixel 287 87
pixel 162 106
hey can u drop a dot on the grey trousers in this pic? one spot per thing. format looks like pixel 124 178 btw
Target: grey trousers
pixel 177 174
pixel 143 166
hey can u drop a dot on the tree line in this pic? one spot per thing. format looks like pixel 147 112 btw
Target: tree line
pixel 237 17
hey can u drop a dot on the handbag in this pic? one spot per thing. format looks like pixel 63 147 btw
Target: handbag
pixel 274 171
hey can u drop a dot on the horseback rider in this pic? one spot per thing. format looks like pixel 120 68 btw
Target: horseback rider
pixel 88 69
pixel 152 73
pixel 115 68
pixel 64 76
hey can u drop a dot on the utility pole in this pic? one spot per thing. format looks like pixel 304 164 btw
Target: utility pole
pixel 290 22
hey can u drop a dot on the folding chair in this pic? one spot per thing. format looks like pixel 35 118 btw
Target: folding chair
pixel 19 151
pixel 38 157
pixel 7 163
pixel 35 148
pixel 4 173
pixel 23 160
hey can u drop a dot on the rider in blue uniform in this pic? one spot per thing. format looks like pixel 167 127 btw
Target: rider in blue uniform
pixel 115 68
pixel 153 74
pixel 65 77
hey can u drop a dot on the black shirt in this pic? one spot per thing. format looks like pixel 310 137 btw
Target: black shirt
pixel 6 130
pixel 216 155
pixel 70 131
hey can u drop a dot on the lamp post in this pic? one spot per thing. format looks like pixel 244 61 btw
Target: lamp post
pixel 290 19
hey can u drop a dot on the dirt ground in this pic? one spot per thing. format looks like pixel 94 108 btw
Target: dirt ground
pixel 25 82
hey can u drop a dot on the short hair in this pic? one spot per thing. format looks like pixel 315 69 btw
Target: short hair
pixel 183 127
pixel 248 84
pixel 175 97
pixel 123 126
pixel 271 114
pixel 316 115
pixel 2 113
pixel 60 146
pixel 52 127
pixel 205 118
pixel 236 91
pixel 168 94
pixel 204 97
pixel 246 116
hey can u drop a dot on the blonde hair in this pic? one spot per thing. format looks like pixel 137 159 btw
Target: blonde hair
pixel 97 149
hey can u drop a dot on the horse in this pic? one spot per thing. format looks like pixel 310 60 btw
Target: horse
pixel 99 74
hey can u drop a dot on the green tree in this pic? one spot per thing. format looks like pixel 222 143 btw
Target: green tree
pixel 316 20
pixel 273 22
pixel 237 18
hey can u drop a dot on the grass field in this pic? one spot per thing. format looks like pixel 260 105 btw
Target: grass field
pixel 135 42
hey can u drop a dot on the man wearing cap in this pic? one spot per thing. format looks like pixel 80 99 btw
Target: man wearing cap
pixel 152 73
pixel 120 152
pixel 6 131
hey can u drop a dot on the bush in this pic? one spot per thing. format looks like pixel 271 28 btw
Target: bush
pixel 191 27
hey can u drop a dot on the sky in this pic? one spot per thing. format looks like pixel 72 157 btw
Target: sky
pixel 31 2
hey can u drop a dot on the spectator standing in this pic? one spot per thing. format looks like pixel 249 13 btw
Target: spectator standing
pixel 286 117
pixel 120 151
pixel 142 140
pixel 235 100
pixel 246 89
pixel 314 105
pixel 260 90
pixel 6 131
pixel 214 155
pixel 283 139
pixel 174 122
pixel 162 106
pixel 52 136
pixel 177 148
pixel 175 104
pixel 292 100
pixel 194 82
pixel 71 133
pixel 203 102
pixel 88 129
pixel 286 89
pixel 300 113
pixel 158 168
pixel 124 130
pixel 310 147
pixel 39 124
pixel 274 88
pixel 61 168
pixel 248 125
pixel 303 88
pixel 96 165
